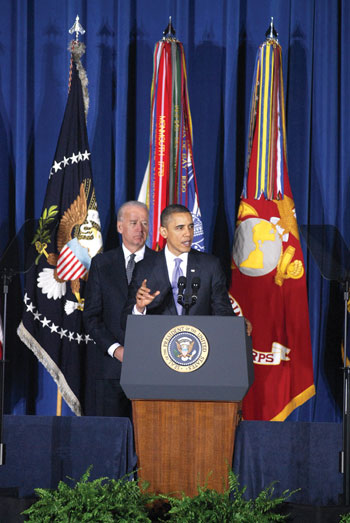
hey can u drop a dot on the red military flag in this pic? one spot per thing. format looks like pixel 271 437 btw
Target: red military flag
pixel 268 278
pixel 170 175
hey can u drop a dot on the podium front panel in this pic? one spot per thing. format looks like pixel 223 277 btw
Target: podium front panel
pixel 226 374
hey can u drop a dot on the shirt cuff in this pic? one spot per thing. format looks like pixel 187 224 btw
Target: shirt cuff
pixel 135 311
pixel 112 348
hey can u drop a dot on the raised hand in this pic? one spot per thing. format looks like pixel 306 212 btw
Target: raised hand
pixel 144 297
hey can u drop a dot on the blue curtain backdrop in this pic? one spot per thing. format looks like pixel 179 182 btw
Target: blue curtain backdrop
pixel 220 40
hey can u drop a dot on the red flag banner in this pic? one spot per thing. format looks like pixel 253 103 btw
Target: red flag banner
pixel 170 175
pixel 268 277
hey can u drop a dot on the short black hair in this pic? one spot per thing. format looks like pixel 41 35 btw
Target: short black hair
pixel 172 209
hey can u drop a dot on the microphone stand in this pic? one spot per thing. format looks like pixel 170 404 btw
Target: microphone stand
pixel 17 259
pixel 332 255
pixel 182 298
pixel 186 301
pixel 6 276
pixel 345 452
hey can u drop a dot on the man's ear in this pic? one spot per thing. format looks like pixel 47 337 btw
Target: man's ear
pixel 163 231
pixel 119 227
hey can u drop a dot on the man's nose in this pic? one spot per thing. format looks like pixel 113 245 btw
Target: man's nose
pixel 143 228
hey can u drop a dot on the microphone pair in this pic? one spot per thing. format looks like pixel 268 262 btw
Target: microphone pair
pixel 181 285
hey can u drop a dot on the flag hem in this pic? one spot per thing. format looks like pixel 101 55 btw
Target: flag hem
pixel 294 403
pixel 56 374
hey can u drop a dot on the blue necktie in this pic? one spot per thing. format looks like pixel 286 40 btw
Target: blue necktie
pixel 177 272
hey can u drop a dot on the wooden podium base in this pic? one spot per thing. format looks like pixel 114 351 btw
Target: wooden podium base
pixel 183 444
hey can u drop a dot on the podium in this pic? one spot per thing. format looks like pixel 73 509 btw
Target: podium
pixel 185 376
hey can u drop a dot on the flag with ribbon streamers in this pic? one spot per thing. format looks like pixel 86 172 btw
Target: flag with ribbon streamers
pixel 268 278
pixel 67 237
pixel 170 175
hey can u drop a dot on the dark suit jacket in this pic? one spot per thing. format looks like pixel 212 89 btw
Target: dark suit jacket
pixel 105 297
pixel 212 296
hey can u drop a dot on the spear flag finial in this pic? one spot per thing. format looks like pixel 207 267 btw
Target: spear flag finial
pixel 77 49
pixel 169 31
pixel 77 28
pixel 271 33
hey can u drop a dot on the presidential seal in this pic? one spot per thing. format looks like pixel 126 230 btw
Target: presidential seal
pixel 184 348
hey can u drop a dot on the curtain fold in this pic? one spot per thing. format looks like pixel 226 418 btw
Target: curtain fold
pixel 220 41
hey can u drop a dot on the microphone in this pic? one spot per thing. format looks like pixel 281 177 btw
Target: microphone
pixel 195 284
pixel 181 286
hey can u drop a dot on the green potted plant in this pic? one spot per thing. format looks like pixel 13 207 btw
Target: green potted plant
pixel 101 500
pixel 210 506
pixel 109 500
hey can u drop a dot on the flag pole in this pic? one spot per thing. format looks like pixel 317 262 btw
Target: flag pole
pixel 76 28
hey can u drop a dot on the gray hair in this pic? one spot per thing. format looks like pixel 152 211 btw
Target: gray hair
pixel 130 203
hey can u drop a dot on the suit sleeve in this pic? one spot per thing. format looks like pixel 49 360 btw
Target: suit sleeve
pixel 220 302
pixel 148 269
pixel 93 310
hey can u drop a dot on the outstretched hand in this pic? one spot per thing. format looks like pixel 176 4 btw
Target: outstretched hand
pixel 144 297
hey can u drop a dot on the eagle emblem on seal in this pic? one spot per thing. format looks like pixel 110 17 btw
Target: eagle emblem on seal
pixel 185 346
pixel 78 240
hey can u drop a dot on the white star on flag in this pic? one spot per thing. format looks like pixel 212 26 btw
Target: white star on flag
pixel 57 166
pixel 74 158
pixel 54 328
pixel 45 322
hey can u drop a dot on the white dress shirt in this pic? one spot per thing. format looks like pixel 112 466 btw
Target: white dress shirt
pixel 138 254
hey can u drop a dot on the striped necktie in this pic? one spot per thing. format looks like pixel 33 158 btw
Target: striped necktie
pixel 130 267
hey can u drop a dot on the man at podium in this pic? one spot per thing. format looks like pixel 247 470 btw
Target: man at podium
pixel 177 270
pixel 172 401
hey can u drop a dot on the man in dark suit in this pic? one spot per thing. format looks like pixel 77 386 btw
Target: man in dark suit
pixel 105 298
pixel 153 289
